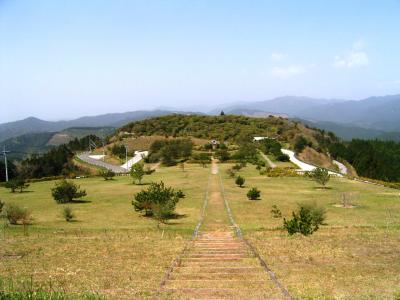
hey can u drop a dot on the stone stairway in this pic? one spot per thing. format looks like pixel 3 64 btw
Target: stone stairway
pixel 217 264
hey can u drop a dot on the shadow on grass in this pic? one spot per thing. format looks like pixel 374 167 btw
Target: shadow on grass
pixel 79 201
pixel 322 188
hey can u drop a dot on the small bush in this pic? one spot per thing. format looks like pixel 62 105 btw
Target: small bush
pixel 17 215
pixel 253 194
pixel 137 173
pixel 66 191
pixel 276 212
pixel 17 183
pixel 306 220
pixel 321 176
pixel 283 157
pixel 68 214
pixel 107 174
pixel 240 181
pixel 237 167
pixel 231 173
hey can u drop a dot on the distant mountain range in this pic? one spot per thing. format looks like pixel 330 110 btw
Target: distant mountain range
pixel 374 117
pixel 35 125
pixel 377 113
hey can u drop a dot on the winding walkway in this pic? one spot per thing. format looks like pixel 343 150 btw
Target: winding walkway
pixel 218 263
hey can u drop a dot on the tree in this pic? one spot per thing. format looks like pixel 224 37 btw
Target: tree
pixel 321 176
pixel 107 174
pixel 222 155
pixel 253 194
pixel 137 173
pixel 240 181
pixel 17 183
pixel 158 201
pixel 300 144
pixel 222 113
pixel 66 191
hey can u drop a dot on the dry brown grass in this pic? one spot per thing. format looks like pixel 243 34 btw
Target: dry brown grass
pixel 320 159
pixel 110 249
pixel 355 256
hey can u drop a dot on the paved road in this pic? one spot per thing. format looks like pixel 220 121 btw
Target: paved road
pixel 305 167
pixel 342 167
pixel 271 164
pixel 85 156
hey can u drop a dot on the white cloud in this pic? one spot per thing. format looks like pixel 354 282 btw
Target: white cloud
pixel 289 71
pixel 276 56
pixel 359 44
pixel 353 59
pixel 357 57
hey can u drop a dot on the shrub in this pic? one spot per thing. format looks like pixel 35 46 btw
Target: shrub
pixel 107 174
pixel 283 157
pixel 17 183
pixel 318 213
pixel 68 214
pixel 253 194
pixel 321 176
pixel 276 212
pixel 306 220
pixel 149 171
pixel 238 167
pixel 137 173
pixel 240 181
pixel 17 215
pixel 158 201
pixel 66 191
pixel 223 155
pixel 300 144
pixel 231 172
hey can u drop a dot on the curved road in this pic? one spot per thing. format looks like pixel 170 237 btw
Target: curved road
pixel 85 156
pixel 305 167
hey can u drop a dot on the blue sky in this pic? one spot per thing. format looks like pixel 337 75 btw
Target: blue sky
pixel 64 59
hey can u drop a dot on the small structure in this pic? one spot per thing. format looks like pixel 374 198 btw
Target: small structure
pixel 260 138
pixel 214 144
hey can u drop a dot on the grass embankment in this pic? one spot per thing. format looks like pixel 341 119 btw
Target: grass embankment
pixel 355 256
pixel 110 250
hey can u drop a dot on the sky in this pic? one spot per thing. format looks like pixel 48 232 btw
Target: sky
pixel 65 59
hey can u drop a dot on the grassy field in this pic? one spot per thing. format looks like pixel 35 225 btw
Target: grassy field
pixel 111 249
pixel 355 256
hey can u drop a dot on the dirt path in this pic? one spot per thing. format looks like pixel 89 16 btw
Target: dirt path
pixel 217 264
pixel 271 164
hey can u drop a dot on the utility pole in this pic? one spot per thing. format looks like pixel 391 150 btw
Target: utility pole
pixel 5 161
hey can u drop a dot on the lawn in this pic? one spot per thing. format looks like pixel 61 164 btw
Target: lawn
pixel 355 256
pixel 111 249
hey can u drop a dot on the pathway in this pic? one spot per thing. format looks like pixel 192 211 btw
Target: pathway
pixel 217 264
pixel 271 164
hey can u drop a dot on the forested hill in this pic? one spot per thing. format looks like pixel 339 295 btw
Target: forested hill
pixel 373 159
pixel 227 128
